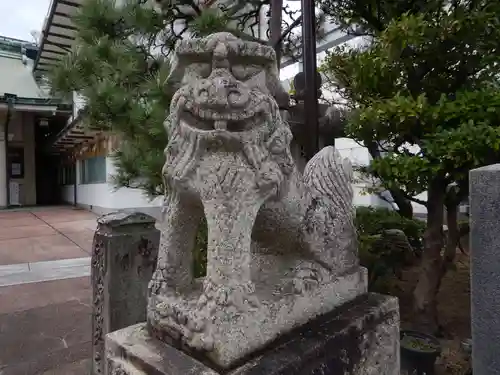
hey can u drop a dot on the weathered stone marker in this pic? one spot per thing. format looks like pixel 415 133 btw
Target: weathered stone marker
pixel 485 268
pixel 282 260
pixel 124 256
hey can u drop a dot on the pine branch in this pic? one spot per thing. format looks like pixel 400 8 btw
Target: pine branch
pixel 288 30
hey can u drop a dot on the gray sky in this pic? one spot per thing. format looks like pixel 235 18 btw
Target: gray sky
pixel 19 18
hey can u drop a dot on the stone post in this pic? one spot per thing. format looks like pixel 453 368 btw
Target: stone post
pixel 124 255
pixel 485 268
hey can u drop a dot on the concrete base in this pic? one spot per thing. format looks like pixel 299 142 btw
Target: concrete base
pixel 358 338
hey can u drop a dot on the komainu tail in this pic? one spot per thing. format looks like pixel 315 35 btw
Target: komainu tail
pixel 330 221
pixel 330 176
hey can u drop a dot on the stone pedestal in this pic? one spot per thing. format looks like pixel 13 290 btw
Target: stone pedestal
pixel 232 331
pixel 485 268
pixel 359 338
pixel 124 255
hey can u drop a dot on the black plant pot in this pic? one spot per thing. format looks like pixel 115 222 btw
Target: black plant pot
pixel 418 353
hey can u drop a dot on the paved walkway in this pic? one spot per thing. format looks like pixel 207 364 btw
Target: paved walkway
pixel 45 292
pixel 45 234
pixel 36 272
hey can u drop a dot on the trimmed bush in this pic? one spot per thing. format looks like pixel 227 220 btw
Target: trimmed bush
pixel 387 243
pixel 373 221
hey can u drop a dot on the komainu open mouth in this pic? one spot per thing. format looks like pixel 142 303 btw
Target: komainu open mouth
pixel 221 122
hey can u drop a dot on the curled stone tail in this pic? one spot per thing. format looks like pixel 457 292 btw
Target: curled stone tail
pixel 328 175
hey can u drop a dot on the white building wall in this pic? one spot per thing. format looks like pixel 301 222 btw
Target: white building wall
pixel 78 103
pixel 418 208
pixel 360 156
pixel 103 197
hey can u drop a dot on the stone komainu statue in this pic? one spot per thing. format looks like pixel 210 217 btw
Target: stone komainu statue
pixel 281 244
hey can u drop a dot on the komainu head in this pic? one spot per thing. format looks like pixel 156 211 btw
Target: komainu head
pixel 226 103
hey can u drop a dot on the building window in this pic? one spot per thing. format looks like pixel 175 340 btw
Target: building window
pixel 67 174
pixel 93 170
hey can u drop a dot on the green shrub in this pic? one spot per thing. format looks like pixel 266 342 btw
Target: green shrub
pixel 373 221
pixel 384 253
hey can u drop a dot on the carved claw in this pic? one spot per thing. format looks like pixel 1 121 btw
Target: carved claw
pixel 154 286
pixel 305 280
pixel 240 296
pixel 202 342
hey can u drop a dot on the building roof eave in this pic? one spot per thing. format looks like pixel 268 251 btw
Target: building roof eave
pixel 74 134
pixel 41 104
pixel 58 34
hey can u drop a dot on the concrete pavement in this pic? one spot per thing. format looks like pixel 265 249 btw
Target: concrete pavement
pixel 26 273
pixel 45 328
pixel 45 234
pixel 45 292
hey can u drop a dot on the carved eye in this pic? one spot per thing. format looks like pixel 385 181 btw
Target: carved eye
pixel 244 72
pixel 198 70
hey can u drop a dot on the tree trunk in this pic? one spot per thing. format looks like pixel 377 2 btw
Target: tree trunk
pixel 452 239
pixel 425 293
pixel 463 230
pixel 404 205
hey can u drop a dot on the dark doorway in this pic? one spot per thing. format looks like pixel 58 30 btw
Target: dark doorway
pixel 48 190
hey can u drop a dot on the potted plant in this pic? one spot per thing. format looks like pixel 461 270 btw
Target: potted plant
pixel 418 353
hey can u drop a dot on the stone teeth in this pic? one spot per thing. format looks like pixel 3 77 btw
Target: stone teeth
pixel 220 125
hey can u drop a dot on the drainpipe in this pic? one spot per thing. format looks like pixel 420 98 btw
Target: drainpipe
pixel 75 187
pixel 11 98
